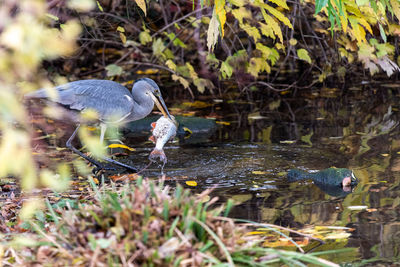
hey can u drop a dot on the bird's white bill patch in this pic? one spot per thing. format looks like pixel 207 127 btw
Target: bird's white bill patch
pixel 129 98
pixel 353 177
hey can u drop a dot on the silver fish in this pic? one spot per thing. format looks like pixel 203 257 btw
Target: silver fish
pixel 164 129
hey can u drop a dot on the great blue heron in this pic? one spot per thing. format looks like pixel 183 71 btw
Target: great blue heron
pixel 113 103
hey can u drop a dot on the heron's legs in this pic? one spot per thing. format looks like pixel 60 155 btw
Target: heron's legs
pixel 70 146
pixel 94 162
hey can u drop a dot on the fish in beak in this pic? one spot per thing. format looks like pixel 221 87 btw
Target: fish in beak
pixel 159 101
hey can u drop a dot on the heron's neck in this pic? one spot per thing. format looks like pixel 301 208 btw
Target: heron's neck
pixel 142 105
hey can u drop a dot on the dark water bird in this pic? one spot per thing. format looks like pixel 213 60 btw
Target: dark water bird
pixel 334 181
pixel 113 103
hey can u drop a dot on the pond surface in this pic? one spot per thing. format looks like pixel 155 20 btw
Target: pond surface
pixel 248 155
pixel 248 149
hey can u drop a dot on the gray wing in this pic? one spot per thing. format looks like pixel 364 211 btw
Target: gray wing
pixel 110 99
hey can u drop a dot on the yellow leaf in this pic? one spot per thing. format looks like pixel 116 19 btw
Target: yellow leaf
pixel 241 13
pixel 144 37
pixel 182 80
pixel 99 6
pixel 197 104
pixel 266 30
pixel 303 55
pixel 123 37
pixel 256 233
pixel 396 8
pixel 251 31
pixel 287 142
pixel 357 30
pixel 275 13
pixel 343 21
pixel 363 22
pixel 142 5
pixel 121 146
pixel 191 183
pixel 120 29
pixel 257 65
pixel 293 42
pixel 223 122
pixel 238 3
pixel 192 72
pixel 281 3
pixel 273 24
pixel 221 14
pixel 258 172
pixel 170 64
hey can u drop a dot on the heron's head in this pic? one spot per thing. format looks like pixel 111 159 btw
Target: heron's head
pixel 152 89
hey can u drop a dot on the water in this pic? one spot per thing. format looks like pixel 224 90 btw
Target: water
pixel 247 161
pixel 247 156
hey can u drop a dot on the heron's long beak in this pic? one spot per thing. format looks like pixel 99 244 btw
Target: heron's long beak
pixel 161 105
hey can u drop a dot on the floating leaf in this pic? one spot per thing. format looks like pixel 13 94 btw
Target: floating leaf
pixel 197 104
pixel 121 146
pixel 223 122
pixel 259 172
pixel 287 142
pixel 129 177
pixel 191 183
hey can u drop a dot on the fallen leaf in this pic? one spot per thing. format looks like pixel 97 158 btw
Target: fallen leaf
pixel 223 122
pixel 120 178
pixel 258 172
pixel 191 183
pixel 287 142
pixel 121 146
